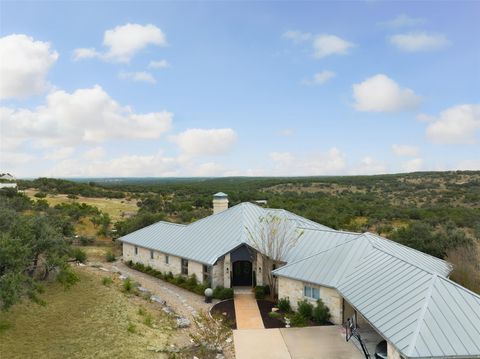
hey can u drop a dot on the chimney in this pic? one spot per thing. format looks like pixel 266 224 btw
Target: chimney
pixel 220 202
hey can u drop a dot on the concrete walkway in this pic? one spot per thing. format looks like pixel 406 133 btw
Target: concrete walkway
pixel 247 313
pixel 326 342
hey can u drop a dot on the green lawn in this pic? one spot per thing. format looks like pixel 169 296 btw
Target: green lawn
pixel 88 321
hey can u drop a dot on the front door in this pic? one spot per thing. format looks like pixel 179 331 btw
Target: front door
pixel 242 273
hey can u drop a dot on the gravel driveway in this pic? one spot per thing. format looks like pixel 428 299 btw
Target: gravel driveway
pixel 182 301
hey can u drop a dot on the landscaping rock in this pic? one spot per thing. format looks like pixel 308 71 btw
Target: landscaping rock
pixel 157 299
pixel 123 277
pixel 143 289
pixel 220 356
pixel 183 322
pixel 168 310
pixel 104 269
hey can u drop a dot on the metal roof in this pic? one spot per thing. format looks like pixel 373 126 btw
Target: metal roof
pixel 423 314
pixel 220 195
pixel 210 238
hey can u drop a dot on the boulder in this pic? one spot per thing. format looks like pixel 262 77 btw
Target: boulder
pixel 157 299
pixel 183 322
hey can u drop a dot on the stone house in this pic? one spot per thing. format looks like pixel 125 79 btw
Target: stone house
pixel 402 294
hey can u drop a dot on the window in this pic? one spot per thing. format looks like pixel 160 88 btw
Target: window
pixel 151 254
pixel 136 250
pixel 184 266
pixel 166 259
pixel 311 292
pixel 206 274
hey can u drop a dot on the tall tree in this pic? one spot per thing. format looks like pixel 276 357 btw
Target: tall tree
pixel 274 237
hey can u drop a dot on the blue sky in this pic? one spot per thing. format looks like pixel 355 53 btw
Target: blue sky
pixel 239 88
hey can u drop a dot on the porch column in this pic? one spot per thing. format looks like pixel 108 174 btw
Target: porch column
pixel 259 269
pixel 227 268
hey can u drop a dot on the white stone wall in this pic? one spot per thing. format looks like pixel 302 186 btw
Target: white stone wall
pixel 259 270
pixel 217 274
pixel 392 352
pixel 293 289
pixel 197 269
pixel 227 269
pixel 158 262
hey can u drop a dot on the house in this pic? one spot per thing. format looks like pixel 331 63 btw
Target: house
pixel 7 181
pixel 402 294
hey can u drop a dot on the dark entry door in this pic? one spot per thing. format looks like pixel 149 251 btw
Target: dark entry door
pixel 242 273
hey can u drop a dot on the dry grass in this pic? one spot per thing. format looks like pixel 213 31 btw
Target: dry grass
pixel 115 207
pixel 88 321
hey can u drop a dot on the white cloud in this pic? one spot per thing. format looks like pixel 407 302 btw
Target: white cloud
pixel 297 36
pixel 95 153
pixel 403 20
pixel 319 78
pixel 468 165
pixel 141 76
pixel 85 53
pixel 456 125
pixel 286 164
pixel 368 165
pixel 419 41
pixel 405 150
pixel 326 45
pixel 161 64
pixel 13 159
pixel 381 94
pixel 209 169
pixel 59 153
pixel 86 115
pixel 123 166
pixel 124 42
pixel 24 65
pixel 199 142
pixel 413 165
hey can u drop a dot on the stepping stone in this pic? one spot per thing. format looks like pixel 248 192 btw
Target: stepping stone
pixel 143 290
pixel 168 310
pixel 183 322
pixel 123 277
pixel 155 298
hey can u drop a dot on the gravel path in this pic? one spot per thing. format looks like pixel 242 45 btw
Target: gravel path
pixel 183 302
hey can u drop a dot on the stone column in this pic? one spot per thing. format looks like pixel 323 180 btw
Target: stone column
pixel 227 268
pixel 259 269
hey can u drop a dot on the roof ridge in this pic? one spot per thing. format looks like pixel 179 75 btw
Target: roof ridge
pixel 421 316
pixel 315 254
pixel 410 248
pixel 328 229
pixel 448 280
pixel 403 260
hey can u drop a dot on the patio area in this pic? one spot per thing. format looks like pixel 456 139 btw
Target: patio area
pixel 325 342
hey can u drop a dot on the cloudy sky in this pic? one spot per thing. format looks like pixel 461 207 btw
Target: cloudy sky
pixel 218 88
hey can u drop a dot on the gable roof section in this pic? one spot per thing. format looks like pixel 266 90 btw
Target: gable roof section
pixel 423 314
pixel 209 238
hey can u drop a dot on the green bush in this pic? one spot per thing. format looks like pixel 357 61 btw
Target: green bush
pixel 86 240
pixel 79 255
pixel 275 315
pixel 131 328
pixel 192 282
pixel 259 292
pixel 284 305
pixel 321 313
pixel 222 293
pixel 40 195
pixel 297 320
pixel 106 281
pixel 110 257
pixel 305 309
pixel 128 285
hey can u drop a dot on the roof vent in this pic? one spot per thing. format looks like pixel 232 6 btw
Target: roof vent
pixel 220 202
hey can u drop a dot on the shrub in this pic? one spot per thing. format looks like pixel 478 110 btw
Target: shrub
pixel 169 276
pixel 305 309
pixel 141 311
pixel 298 320
pixel 86 241
pixel 79 255
pixel 40 195
pixel 131 328
pixel 106 281
pixel 148 320
pixel 110 257
pixel 284 305
pixel 321 313
pixel 259 292
pixel 222 293
pixel 275 315
pixel 127 285
pixel 192 282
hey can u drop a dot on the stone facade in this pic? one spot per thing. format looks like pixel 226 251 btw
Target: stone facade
pixel 392 352
pixel 159 261
pixel 227 269
pixel 293 289
pixel 217 274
